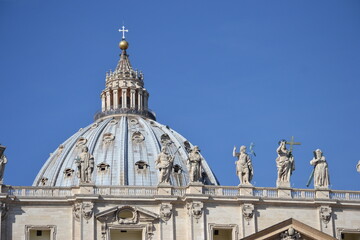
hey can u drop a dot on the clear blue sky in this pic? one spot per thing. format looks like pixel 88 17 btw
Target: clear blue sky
pixel 221 73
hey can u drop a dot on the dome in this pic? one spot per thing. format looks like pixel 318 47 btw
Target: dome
pixel 124 141
pixel 124 148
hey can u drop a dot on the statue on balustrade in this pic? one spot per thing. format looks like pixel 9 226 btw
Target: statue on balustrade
pixel 164 162
pixel 244 168
pixel 85 165
pixel 194 164
pixel 3 161
pixel 285 165
pixel 321 171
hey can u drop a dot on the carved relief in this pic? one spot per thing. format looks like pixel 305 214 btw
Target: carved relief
pixel 81 142
pixel 87 210
pixel 137 137
pixel 195 209
pixel 127 215
pixel 165 211
pixel 77 211
pixel 108 138
pixel 248 211
pixel 290 234
pixel 325 214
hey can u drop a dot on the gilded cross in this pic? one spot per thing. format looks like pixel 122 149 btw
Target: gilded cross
pixel 292 143
pixel 123 30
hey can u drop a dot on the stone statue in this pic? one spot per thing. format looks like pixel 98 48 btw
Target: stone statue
pixel 321 172
pixel 164 163
pixel 85 165
pixel 358 166
pixel 285 165
pixel 3 161
pixel 244 168
pixel 194 164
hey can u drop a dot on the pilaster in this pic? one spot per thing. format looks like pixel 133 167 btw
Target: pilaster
pixel 132 98
pixel 124 99
pixel 140 99
pixel 103 105
pixel 115 99
pixel 108 101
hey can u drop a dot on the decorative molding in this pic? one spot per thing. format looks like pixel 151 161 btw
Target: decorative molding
pixel 95 125
pixel 123 216
pixel 165 211
pixel 325 214
pixel 248 212
pixel 340 231
pixel 87 210
pixel 114 121
pixel 108 138
pixel 103 167
pixel 81 142
pixel 137 137
pixel 195 209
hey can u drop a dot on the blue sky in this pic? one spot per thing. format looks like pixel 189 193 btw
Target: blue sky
pixel 220 73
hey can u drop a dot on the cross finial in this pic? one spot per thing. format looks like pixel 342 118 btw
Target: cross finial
pixel 123 30
pixel 292 143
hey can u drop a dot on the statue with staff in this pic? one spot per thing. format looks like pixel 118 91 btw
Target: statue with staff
pixel 164 163
pixel 244 168
pixel 285 162
pixel 194 164
pixel 320 173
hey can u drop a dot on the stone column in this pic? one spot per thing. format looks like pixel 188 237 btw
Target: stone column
pixel 146 98
pixel 132 98
pixel 103 105
pixel 115 99
pixel 108 100
pixel 124 100
pixel 140 100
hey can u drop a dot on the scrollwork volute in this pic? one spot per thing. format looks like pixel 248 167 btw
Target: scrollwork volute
pixel 165 211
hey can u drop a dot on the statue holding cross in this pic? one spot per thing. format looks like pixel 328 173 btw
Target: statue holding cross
pixel 285 162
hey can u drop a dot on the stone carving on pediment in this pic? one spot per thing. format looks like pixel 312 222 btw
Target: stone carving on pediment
pixel 325 214
pixel 165 211
pixel 290 234
pixel 81 142
pixel 108 138
pixel 127 215
pixel 137 137
pixel 87 210
pixel 195 209
pixel 77 211
pixel 248 212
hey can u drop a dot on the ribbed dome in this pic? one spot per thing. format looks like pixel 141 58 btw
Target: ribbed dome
pixel 125 140
pixel 124 148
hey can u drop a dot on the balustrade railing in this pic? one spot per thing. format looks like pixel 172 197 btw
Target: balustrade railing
pixel 148 191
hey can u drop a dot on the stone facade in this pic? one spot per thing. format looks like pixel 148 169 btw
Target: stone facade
pixel 193 212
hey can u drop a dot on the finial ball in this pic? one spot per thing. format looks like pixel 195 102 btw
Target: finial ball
pixel 123 45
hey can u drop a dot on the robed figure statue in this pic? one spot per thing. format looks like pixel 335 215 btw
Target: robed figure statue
pixel 194 164
pixel 285 165
pixel 321 171
pixel 164 163
pixel 85 165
